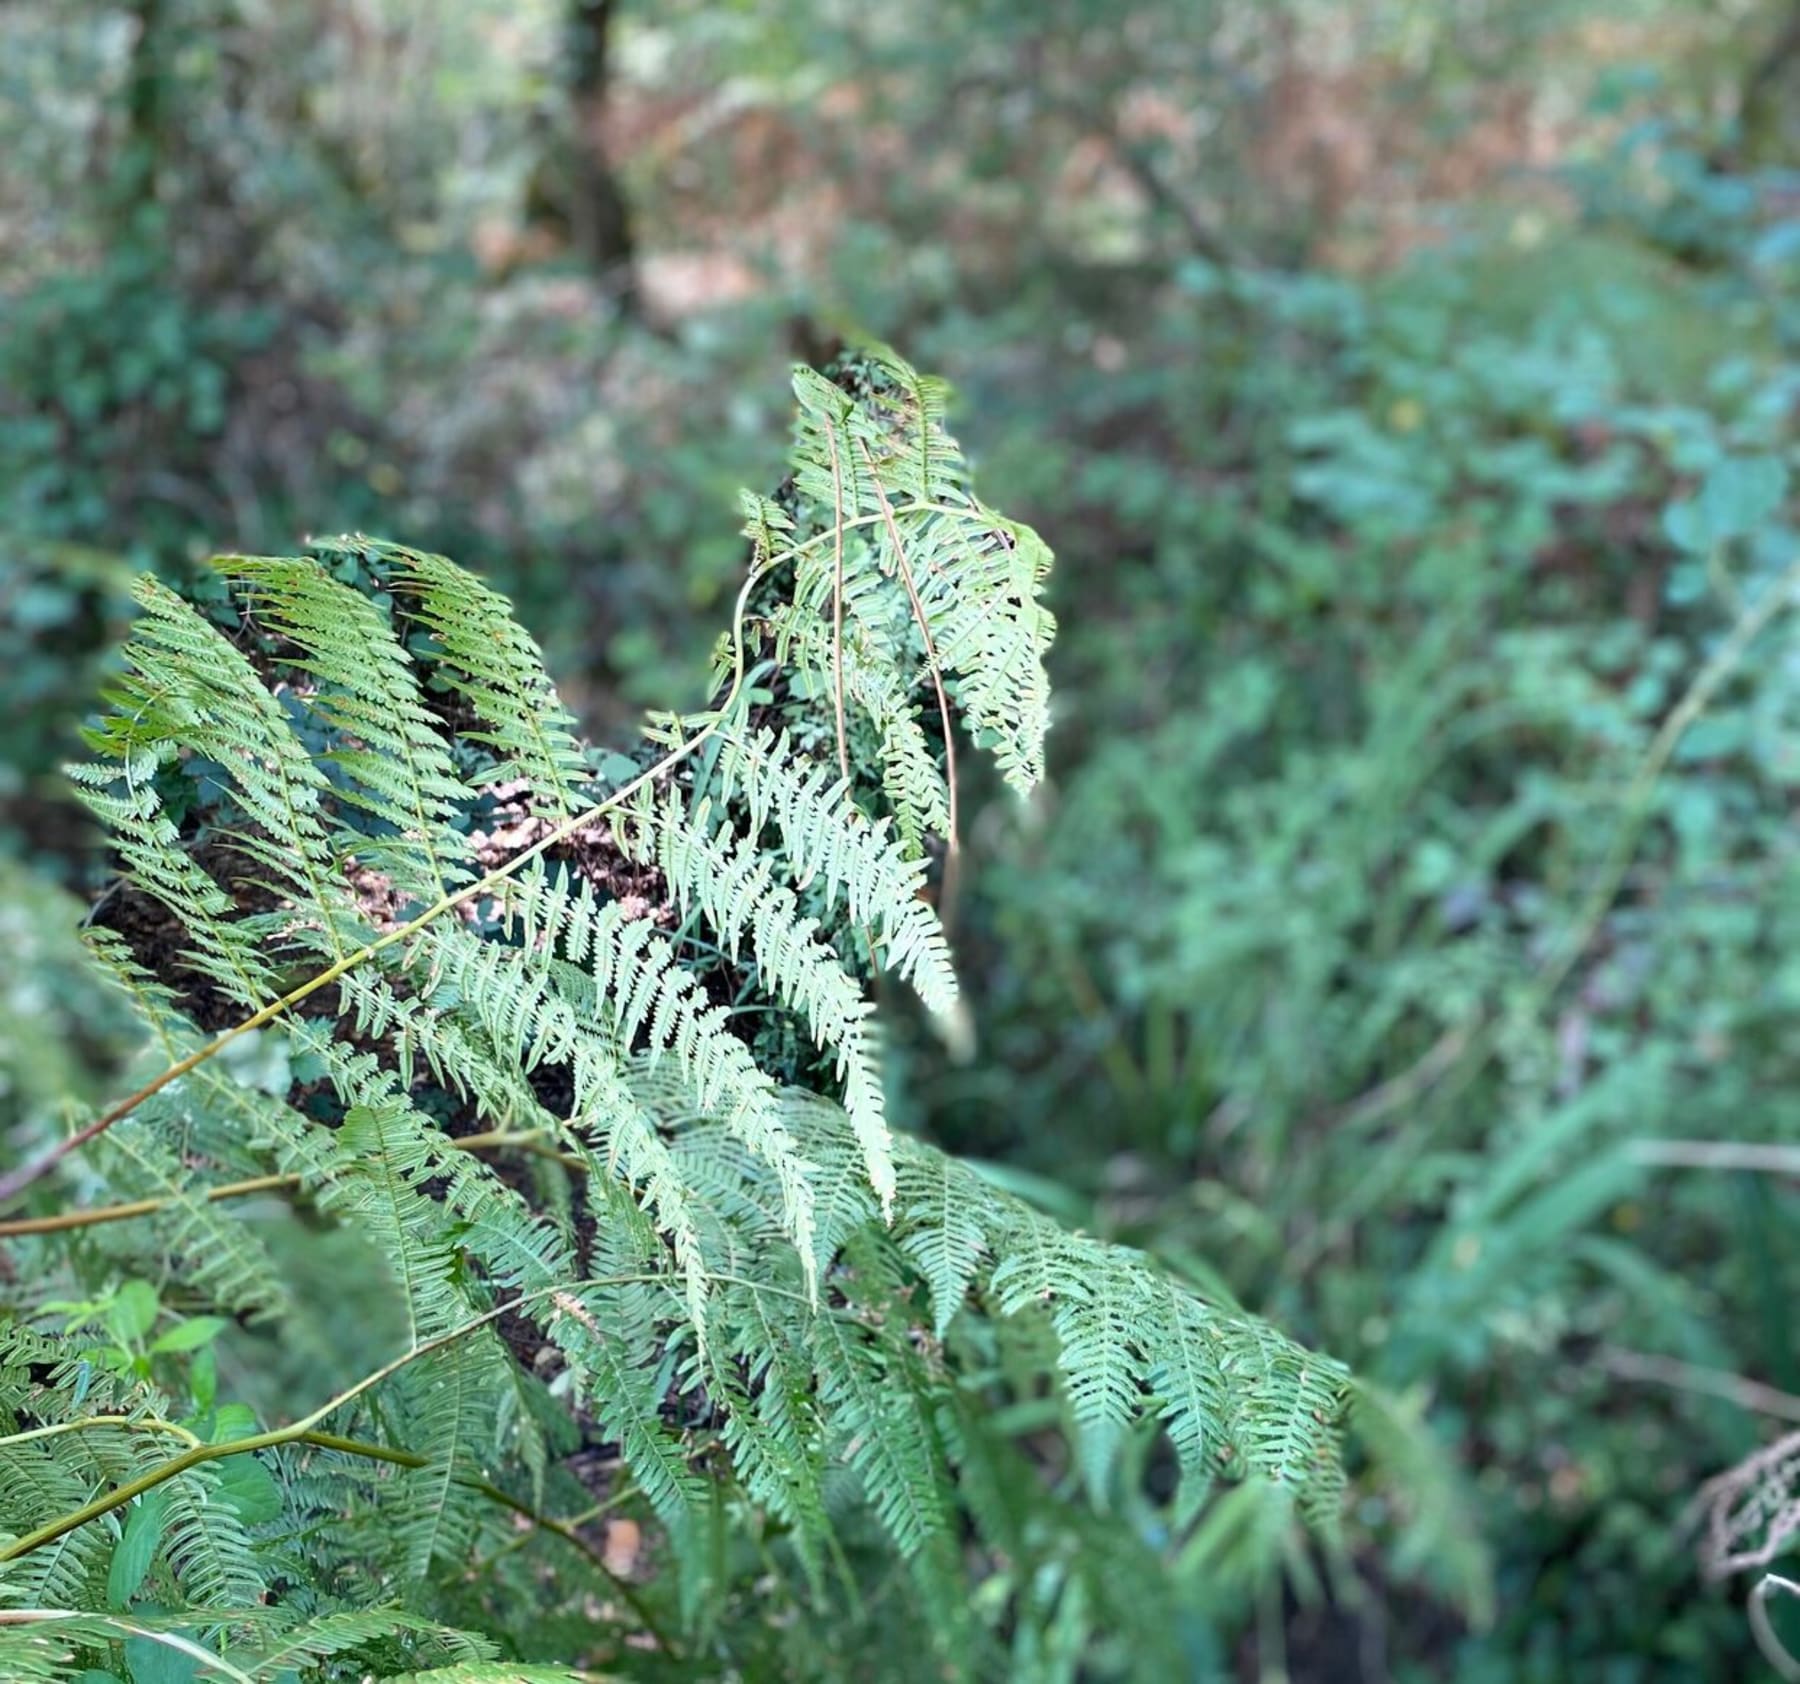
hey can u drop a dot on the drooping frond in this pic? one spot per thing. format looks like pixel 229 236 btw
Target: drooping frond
pixel 450 1402
pixel 733 884
pixel 830 841
pixel 589 984
pixel 350 1631
pixel 881 1423
pixel 189 690
pixel 926 548
pixel 940 1228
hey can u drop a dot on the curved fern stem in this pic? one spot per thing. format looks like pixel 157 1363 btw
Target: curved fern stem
pixel 951 840
pixel 527 1140
pixel 837 604
pixel 295 1432
pixel 88 1423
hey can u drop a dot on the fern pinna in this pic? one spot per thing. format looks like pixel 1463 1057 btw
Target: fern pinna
pixel 584 1048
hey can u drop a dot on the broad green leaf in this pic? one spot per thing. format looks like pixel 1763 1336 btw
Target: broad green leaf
pixel 132 1312
pixel 233 1421
pixel 1738 496
pixel 189 1335
pixel 159 1663
pixel 247 1487
pixel 203 1379
pixel 1742 492
pixel 136 1548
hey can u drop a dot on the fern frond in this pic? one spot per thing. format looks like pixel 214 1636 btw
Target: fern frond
pixel 773 1427
pixel 879 691
pixel 347 1631
pixel 189 689
pixel 390 758
pixel 36 1656
pixel 48 1379
pixel 490 661
pixel 213 1556
pixel 765 1320
pixel 622 1139
pixel 980 582
pixel 906 415
pixel 1094 1302
pixel 939 1227
pixel 978 576
pixel 490 1672
pixel 212 1251
pixel 1286 1403
pixel 832 843
pixel 36 1486
pixel 617 984
pixel 766 525
pixel 233 953
pixel 733 884
pixel 380 1158
pixel 879 1426
pixel 1191 1392
pixel 1132 1345
pixel 53 1644
pixel 448 1403
pixel 911 779
pixel 588 1329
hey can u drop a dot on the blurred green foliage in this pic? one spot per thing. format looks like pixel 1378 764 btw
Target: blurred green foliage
pixel 1410 392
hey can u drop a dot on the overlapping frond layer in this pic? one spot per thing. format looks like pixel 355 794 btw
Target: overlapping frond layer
pixel 493 664
pixel 594 1084
pixel 734 885
pixel 392 764
pixel 831 842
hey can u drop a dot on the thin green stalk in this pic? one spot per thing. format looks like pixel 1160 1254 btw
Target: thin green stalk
pixel 276 1437
pixel 89 1423
pixel 527 1140
pixel 168 1639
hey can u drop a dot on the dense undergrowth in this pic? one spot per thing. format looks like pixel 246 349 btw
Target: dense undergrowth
pixel 1414 890
pixel 1400 944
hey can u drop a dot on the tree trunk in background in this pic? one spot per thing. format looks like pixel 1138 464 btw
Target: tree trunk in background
pixel 599 215
pixel 136 164
pixel 1768 132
